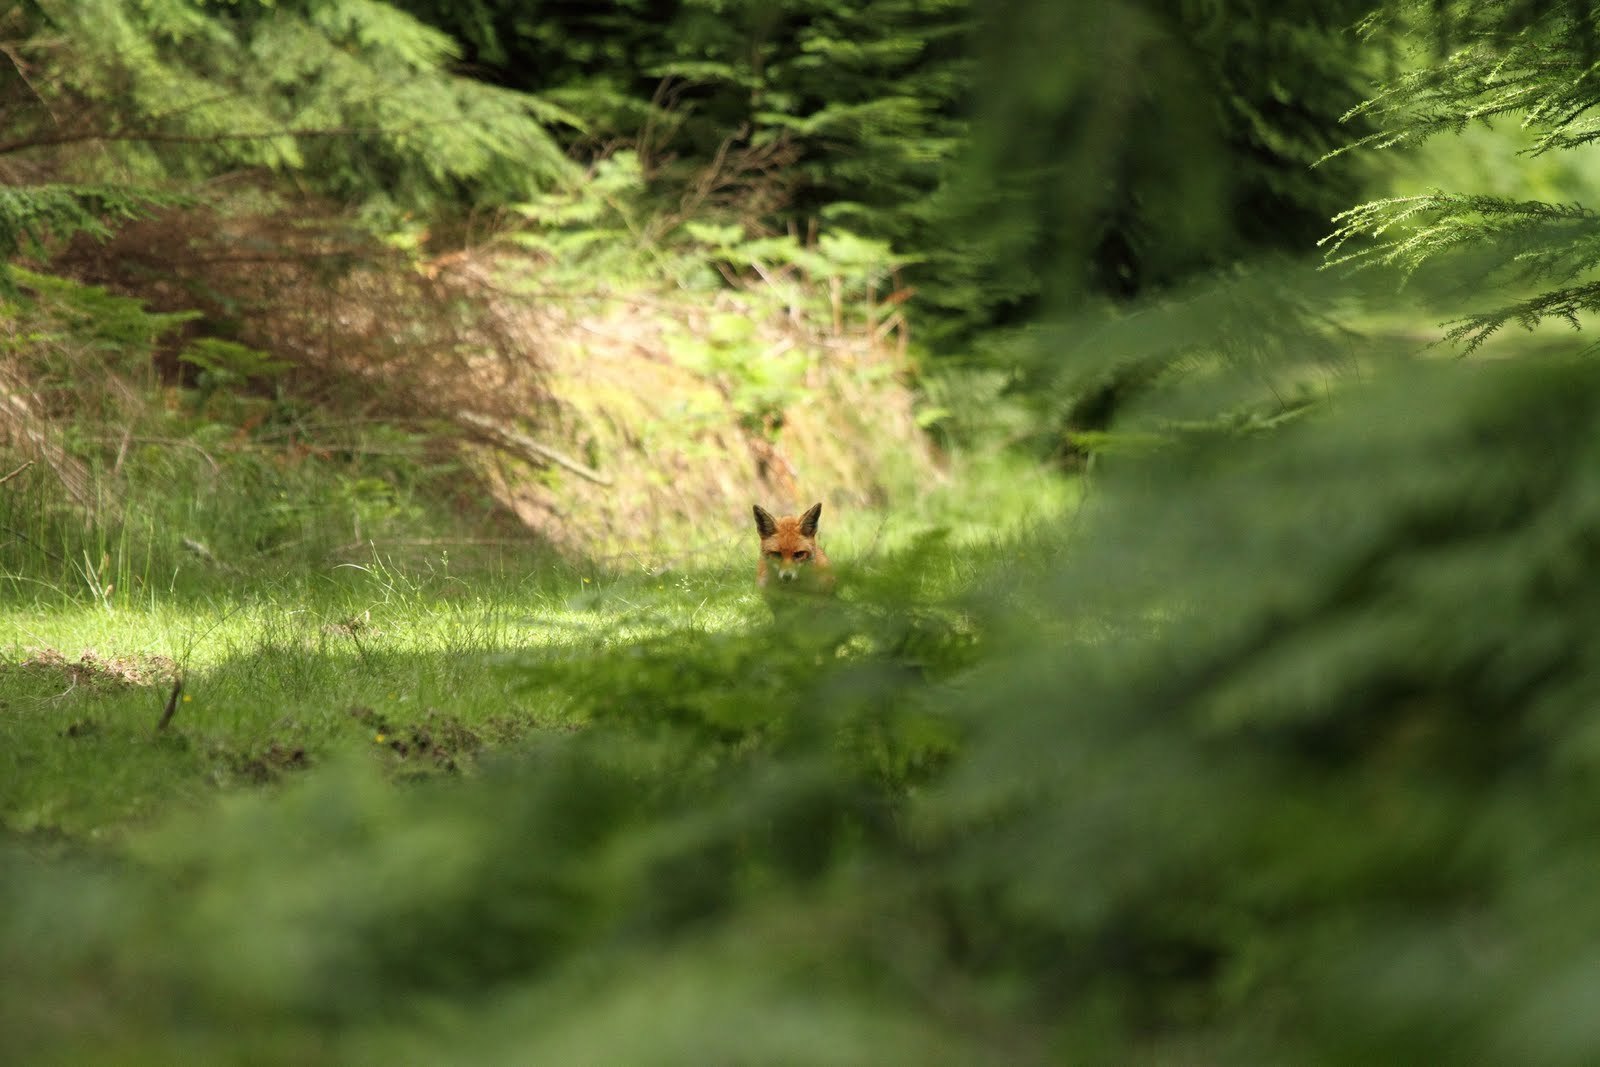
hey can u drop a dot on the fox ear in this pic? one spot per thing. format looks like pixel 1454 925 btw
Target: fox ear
pixel 808 521
pixel 766 525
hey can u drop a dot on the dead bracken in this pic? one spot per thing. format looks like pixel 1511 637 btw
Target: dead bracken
pixel 91 668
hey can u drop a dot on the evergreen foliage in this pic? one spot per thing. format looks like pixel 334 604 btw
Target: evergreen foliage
pixel 1163 140
pixel 781 114
pixel 1282 750
pixel 1318 735
pixel 353 96
pixel 32 217
pixel 1149 143
pixel 1526 60
pixel 1282 755
pixel 869 94
pixel 860 115
pixel 1142 193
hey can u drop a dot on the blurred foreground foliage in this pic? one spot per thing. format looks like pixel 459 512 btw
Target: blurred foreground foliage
pixel 1279 751
pixel 1285 756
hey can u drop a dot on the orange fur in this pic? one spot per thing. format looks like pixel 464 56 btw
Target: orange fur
pixel 789 550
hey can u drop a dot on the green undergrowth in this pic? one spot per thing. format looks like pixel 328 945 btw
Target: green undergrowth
pixel 1278 749
pixel 282 677
pixel 420 667
pixel 327 586
pixel 378 714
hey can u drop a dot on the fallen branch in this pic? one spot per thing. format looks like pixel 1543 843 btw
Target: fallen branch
pixel 533 450
pixel 206 554
pixel 16 472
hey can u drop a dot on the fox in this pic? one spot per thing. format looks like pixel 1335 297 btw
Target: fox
pixel 789 549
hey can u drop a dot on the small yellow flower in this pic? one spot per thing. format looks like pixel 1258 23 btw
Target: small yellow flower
pixel 187 698
pixel 379 738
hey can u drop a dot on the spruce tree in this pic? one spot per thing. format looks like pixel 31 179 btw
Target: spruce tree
pixel 1527 261
pixel 353 97
pixel 1143 195
pixel 795 111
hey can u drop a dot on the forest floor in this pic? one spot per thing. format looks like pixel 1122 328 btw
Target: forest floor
pixel 307 852
pixel 420 668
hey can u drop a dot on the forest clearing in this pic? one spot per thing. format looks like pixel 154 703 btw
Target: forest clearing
pixel 1180 422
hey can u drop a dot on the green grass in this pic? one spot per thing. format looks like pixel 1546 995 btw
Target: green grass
pixel 399 779
pixel 419 667
pixel 283 677
pixel 1220 770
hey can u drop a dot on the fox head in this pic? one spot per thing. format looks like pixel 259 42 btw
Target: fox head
pixel 788 544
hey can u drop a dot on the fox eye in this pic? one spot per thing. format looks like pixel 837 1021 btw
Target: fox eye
pixel 774 555
pixel 802 554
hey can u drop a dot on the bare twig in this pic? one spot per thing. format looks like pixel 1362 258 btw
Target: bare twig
pixel 200 550
pixel 16 472
pixel 126 439
pixel 433 542
pixel 122 452
pixel 531 448
pixel 28 431
pixel 10 52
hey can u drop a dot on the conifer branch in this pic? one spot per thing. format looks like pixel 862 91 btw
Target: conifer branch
pixel 1533 66
pixel 1567 305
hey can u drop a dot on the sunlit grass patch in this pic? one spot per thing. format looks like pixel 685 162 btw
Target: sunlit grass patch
pixel 282 676
pixel 421 665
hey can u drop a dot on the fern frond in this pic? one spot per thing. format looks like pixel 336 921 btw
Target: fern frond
pixel 32 216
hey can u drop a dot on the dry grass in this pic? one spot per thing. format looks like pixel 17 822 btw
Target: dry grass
pixel 565 397
pixel 670 451
pixel 91 668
